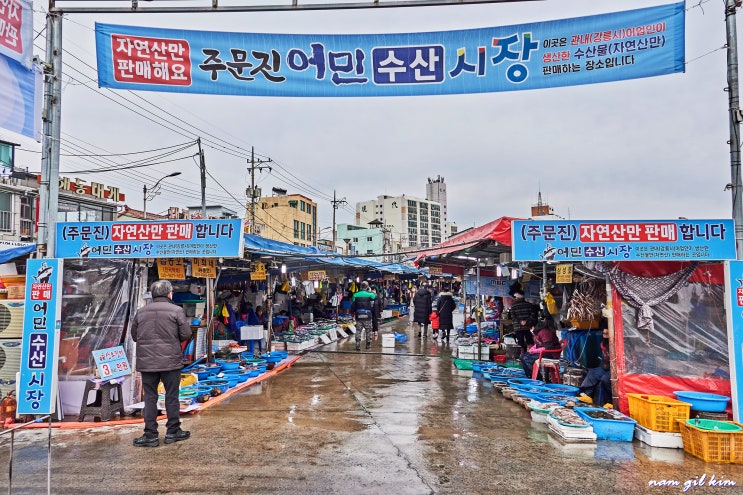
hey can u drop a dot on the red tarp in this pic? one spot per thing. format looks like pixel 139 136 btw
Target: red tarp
pixel 498 230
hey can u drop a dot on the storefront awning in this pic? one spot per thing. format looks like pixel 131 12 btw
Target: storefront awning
pixel 486 240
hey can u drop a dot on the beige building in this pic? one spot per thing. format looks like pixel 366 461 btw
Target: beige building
pixel 288 218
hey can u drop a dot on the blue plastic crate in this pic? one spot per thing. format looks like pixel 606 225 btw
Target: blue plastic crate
pixel 621 430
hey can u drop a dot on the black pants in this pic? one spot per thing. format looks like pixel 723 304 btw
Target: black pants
pixel 172 382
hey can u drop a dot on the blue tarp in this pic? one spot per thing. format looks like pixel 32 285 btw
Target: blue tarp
pixel 304 255
pixel 12 253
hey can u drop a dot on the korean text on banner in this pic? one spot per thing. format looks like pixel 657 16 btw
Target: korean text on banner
pixel 567 52
pixel 623 240
pixel 17 30
pixel 151 239
pixel 41 325
pixel 734 285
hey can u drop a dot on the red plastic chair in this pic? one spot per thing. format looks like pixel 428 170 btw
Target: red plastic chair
pixel 548 364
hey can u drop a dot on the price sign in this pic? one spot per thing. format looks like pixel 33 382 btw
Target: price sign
pixel 316 275
pixel 112 363
pixel 435 270
pixel 171 269
pixel 259 272
pixel 204 267
pixel 564 274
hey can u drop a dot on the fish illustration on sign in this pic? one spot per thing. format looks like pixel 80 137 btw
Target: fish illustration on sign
pixel 84 251
pixel 549 253
pixel 44 273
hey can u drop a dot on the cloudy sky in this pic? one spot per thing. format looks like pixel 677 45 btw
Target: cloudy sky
pixel 651 148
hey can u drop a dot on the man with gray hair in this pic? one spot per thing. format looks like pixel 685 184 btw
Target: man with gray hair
pixel 158 329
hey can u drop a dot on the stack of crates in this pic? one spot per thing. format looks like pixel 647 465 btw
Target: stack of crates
pixel 658 419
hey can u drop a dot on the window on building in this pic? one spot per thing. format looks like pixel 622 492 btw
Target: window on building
pixel 27 216
pixel 6 217
pixel 368 239
pixel 68 211
pixel 302 205
pixel 355 239
pixel 293 203
pixel 369 251
pixel 296 229
pixel 411 203
pixel 302 229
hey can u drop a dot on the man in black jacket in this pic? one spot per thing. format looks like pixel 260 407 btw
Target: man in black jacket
pixel 524 317
pixel 158 329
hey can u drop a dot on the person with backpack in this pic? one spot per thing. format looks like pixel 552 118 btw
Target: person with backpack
pixel 362 309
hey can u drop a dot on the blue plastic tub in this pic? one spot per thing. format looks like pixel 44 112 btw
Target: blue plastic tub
pixel 704 402
pixel 221 385
pixel 559 388
pixel 228 365
pixel 525 381
pixel 621 430
pixel 552 397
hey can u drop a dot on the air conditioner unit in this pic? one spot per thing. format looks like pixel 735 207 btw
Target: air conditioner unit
pixel 11 318
pixel 10 362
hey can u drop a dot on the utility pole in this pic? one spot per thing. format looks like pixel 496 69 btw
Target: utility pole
pixel 49 186
pixel 254 193
pixel 736 184
pixel 202 168
pixel 336 203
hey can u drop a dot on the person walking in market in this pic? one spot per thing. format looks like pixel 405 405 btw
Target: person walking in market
pixel 363 308
pixel 445 307
pixel 524 316
pixel 422 307
pixel 158 329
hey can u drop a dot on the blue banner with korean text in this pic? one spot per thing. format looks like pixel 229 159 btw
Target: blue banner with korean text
pixel 151 239
pixel 567 52
pixel 623 240
pixel 42 319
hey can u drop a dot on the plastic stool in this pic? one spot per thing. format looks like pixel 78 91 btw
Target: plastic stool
pixel 103 406
pixel 548 367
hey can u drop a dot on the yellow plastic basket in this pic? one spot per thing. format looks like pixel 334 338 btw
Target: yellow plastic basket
pixel 712 446
pixel 658 413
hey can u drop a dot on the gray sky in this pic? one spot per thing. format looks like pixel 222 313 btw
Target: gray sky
pixel 650 148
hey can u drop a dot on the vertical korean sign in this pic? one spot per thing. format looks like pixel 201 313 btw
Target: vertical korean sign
pixel 734 285
pixel 41 325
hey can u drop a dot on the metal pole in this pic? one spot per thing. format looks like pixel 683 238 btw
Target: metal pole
pixel 252 190
pixel 144 202
pixel 736 184
pixel 477 315
pixel 612 346
pixel 202 167
pixel 334 207
pixel 49 458
pixel 10 463
pixel 49 185
pixel 269 303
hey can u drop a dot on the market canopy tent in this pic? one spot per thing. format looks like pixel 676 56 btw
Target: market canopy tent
pixel 487 241
pixel 306 258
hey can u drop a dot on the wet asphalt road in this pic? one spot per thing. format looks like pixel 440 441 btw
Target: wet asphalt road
pixel 402 421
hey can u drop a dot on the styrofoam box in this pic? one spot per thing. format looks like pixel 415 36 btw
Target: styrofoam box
pixel 251 332
pixel 386 313
pixel 664 439
pixel 388 340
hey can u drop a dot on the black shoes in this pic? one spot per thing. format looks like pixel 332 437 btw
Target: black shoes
pixel 177 437
pixel 358 346
pixel 144 441
pixel 368 345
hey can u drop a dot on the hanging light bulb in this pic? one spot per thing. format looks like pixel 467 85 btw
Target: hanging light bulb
pixel 283 268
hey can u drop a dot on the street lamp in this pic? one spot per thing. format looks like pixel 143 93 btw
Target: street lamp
pixel 153 192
